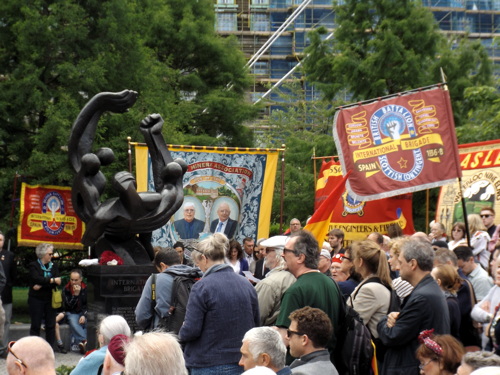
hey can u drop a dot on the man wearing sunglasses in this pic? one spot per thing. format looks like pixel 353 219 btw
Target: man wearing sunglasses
pixel 488 217
pixel 31 355
pixel 312 288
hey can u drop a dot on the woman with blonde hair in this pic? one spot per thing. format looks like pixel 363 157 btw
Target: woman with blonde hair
pixel 479 240
pixel 222 307
pixel 449 281
pixel 372 297
pixel 403 288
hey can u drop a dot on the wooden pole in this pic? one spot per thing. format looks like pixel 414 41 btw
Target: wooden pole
pixel 282 197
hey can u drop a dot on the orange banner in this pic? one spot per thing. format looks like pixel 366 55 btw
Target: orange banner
pixel 358 219
pixel 47 215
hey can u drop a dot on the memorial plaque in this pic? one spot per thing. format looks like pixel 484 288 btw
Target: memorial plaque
pixel 113 290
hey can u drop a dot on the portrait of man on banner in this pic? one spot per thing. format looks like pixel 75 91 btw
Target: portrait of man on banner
pixel 223 191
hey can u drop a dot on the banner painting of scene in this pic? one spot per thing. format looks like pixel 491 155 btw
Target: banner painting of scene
pixel 480 164
pixel 47 215
pixel 358 219
pixel 238 183
pixel 398 145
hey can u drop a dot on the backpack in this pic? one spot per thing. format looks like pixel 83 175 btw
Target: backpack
pixel 394 305
pixel 181 289
pixel 354 349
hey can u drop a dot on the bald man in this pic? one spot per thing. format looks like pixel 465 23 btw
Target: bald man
pixel 224 224
pixel 31 355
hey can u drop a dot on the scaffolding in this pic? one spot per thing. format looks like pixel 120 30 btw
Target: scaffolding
pixel 254 22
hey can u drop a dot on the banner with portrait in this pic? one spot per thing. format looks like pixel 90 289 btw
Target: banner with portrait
pixel 47 215
pixel 358 219
pixel 230 185
pixel 480 163
pixel 398 145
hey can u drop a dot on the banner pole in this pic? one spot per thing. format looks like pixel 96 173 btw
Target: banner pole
pixel 426 210
pixel 282 196
pixel 129 154
pixel 314 167
pixel 464 209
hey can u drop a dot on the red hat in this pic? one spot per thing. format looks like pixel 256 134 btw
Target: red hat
pixel 116 348
pixel 337 258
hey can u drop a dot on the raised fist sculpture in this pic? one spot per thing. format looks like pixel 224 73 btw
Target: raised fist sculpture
pixel 122 224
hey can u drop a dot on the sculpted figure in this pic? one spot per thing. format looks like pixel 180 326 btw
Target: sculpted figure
pixel 122 224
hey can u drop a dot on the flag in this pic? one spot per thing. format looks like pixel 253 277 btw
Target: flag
pixel 357 219
pixel 398 145
pixel 319 222
pixel 47 215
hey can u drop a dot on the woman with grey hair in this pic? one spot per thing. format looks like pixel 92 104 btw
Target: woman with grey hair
pixel 222 307
pixel 474 360
pixel 43 278
pixel 110 326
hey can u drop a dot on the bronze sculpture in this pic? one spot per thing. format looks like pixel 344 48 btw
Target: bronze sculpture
pixel 122 224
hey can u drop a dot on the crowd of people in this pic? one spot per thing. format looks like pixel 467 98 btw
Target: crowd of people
pixel 431 306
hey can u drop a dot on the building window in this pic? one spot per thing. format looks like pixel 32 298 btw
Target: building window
pixel 260 22
pixel 226 22
pixel 260 2
pixel 261 68
pixel 225 1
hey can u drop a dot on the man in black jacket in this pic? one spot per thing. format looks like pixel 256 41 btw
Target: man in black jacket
pixel 425 308
pixel 75 305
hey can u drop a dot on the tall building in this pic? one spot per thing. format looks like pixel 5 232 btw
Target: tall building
pixel 254 22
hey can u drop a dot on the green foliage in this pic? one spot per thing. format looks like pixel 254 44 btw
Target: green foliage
pixel 56 54
pixel 305 128
pixel 64 370
pixel 380 49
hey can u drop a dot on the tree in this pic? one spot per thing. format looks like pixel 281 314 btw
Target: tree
pixel 380 49
pixel 305 127
pixel 56 54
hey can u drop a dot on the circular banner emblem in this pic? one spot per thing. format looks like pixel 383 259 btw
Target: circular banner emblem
pixel 53 203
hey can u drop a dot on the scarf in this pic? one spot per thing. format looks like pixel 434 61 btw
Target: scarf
pixel 47 270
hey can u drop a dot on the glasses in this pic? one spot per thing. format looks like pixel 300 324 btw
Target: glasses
pixel 288 250
pixel 18 360
pixel 51 254
pixel 289 333
pixel 422 365
pixel 485 216
pixel 344 257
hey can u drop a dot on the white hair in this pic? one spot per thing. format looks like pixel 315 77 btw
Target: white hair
pixel 113 325
pixel 188 204
pixel 154 353
pixel 266 340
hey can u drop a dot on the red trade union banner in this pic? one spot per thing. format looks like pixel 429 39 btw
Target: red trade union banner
pixel 47 215
pixel 358 219
pixel 480 164
pixel 398 145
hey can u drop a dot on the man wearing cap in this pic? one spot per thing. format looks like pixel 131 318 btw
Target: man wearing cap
pixel 189 227
pixel 271 289
pixel 324 263
pixel 114 361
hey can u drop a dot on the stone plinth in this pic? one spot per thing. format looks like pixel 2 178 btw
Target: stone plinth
pixel 113 290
